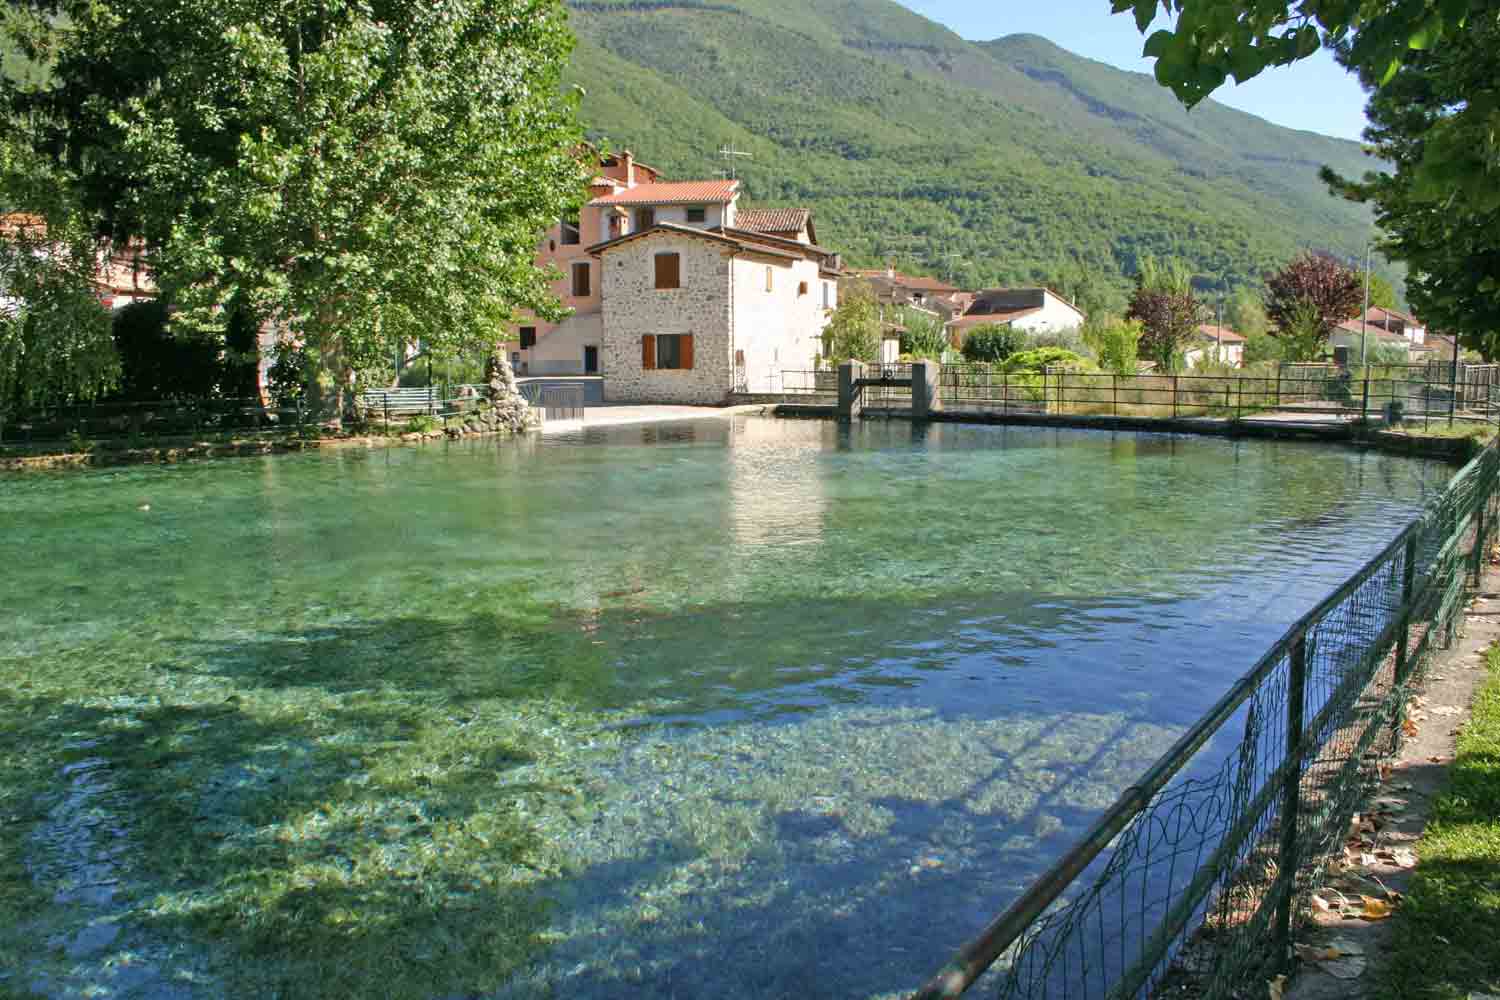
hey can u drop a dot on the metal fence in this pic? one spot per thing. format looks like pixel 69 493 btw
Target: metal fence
pixel 1194 876
pixel 557 402
pixel 1397 392
pixel 152 418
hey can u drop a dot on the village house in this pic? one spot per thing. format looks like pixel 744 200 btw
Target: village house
pixel 751 285
pixel 1029 310
pixel 120 276
pixel 1215 345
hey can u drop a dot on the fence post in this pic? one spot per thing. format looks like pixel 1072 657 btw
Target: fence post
pixel 1174 396
pixel 1004 393
pixel 1364 403
pixel 1453 384
pixel 1278 385
pixel 1477 556
pixel 385 404
pixel 1403 634
pixel 1287 860
pixel 1114 390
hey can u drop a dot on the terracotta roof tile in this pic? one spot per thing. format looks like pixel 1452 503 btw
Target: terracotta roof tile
pixel 673 193
pixel 965 322
pixel 772 220
pixel 1220 333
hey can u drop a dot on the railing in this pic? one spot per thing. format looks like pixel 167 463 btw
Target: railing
pixel 888 387
pixel 152 418
pixel 824 382
pixel 1195 875
pixel 557 402
pixel 1308 391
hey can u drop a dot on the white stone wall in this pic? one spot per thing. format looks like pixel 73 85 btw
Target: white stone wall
pixel 780 330
pixel 634 307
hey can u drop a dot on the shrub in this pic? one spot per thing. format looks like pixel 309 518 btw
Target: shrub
pixel 1046 357
pixel 422 423
pixel 992 343
pixel 1115 343
pixel 924 336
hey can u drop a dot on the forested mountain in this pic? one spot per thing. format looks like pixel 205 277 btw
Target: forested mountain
pixel 1028 162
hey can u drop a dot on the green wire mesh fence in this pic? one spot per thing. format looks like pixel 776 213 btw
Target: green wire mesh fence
pixel 1193 879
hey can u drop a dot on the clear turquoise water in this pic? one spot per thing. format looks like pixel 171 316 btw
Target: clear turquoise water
pixel 848 690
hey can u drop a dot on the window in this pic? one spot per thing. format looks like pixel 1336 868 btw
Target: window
pixel 801 288
pixel 667 351
pixel 528 337
pixel 645 218
pixel 768 277
pixel 580 279
pixel 827 296
pixel 569 231
pixel 668 271
pixel 697 214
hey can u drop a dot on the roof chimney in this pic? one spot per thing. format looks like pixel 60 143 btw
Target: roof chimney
pixel 628 158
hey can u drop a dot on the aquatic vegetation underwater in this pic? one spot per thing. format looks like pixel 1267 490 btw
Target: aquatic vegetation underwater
pixel 740 708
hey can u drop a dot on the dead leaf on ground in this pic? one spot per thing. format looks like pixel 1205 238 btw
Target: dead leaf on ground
pixel 1409 727
pixel 1275 987
pixel 1375 909
pixel 1447 710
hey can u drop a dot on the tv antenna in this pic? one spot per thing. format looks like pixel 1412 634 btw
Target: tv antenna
pixel 729 154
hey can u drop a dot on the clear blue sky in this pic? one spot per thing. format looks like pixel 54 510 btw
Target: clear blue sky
pixel 1316 94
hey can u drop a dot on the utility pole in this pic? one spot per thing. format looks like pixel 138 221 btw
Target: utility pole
pixel 729 155
pixel 1365 313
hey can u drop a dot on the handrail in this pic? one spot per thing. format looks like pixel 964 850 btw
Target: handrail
pixel 971 960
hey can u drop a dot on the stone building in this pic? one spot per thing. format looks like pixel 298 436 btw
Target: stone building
pixel 774 329
pixel 692 315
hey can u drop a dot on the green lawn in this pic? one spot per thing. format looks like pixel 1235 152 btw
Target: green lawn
pixel 1447 946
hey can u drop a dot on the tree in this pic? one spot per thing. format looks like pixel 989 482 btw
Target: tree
pixel 1316 286
pixel 1115 342
pixel 1302 335
pixel 1382 292
pixel 359 172
pixel 54 334
pixel 992 342
pixel 853 331
pixel 1444 225
pixel 1210 41
pixel 154 364
pixel 1169 314
pixel 923 334
pixel 1246 313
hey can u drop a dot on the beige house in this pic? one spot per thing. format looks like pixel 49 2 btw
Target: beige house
pixel 1215 345
pixel 692 315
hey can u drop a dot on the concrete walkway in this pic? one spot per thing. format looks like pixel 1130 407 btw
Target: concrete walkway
pixel 614 414
pixel 1341 954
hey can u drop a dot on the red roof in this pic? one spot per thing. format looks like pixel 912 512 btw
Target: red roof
pixel 772 220
pixel 1220 333
pixel 673 193
pixel 965 322
pixel 918 282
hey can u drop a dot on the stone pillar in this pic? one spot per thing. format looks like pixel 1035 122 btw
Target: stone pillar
pixel 851 399
pixel 924 389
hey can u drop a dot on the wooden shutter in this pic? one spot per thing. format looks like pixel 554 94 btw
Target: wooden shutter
pixel 668 272
pixel 580 279
pixel 685 350
pixel 648 352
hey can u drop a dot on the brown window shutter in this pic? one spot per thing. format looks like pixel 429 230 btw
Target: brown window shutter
pixel 648 352
pixel 685 348
pixel 668 271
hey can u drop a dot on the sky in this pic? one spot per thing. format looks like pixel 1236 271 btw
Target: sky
pixel 1316 94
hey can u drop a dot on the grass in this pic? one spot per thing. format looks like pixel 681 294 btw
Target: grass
pixel 1446 948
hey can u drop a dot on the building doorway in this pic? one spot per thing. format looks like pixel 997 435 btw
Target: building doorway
pixel 591 360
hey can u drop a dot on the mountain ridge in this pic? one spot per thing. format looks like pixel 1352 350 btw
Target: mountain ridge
pixel 1029 162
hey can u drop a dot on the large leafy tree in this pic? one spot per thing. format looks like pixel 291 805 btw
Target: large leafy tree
pixel 55 342
pixel 1313 289
pixel 357 172
pixel 1445 227
pixel 1167 310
